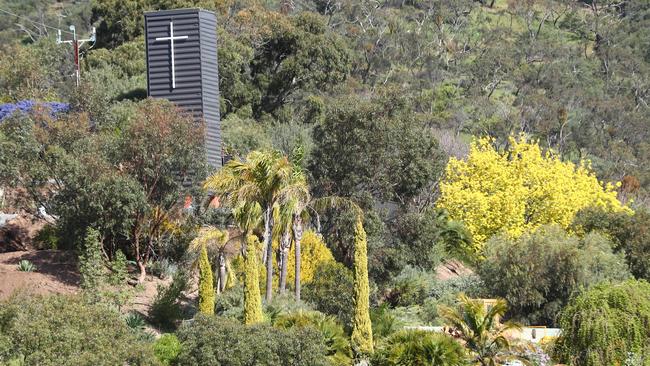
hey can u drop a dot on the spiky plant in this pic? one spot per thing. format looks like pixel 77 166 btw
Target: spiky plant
pixel 26 266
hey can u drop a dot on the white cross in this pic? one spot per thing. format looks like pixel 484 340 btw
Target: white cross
pixel 171 38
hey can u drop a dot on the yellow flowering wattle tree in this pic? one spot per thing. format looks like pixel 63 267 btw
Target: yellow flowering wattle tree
pixel 519 189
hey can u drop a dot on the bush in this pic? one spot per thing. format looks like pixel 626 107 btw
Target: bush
pixel 336 341
pixel 166 309
pixel 607 325
pixel 230 303
pixel 538 273
pixel 163 268
pixel 64 330
pixel 413 347
pixel 630 234
pixel 119 269
pixel 167 348
pixel 26 266
pixel 332 292
pixel 215 341
pixel 410 287
pixel 91 264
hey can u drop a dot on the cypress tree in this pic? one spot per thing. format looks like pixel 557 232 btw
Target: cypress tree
pixel 252 296
pixel 206 283
pixel 361 325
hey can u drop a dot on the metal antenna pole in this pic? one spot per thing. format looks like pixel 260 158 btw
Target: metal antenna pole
pixel 76 43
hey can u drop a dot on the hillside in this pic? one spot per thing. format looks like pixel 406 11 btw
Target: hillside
pixel 401 183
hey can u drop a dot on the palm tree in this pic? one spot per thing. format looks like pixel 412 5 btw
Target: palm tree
pixel 294 200
pixel 260 178
pixel 480 329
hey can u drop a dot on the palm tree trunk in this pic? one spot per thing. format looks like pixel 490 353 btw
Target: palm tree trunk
pixel 297 238
pixel 222 273
pixel 285 245
pixel 268 244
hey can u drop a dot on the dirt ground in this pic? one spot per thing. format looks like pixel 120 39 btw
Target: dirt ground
pixel 56 273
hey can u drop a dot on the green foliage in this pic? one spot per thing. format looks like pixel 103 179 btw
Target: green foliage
pixel 119 269
pixel 135 321
pixel 65 330
pixel 630 234
pixel 384 322
pixel 336 341
pixel 424 238
pixel 331 291
pixel 26 266
pixel 167 348
pixel 415 348
pixel 412 286
pixel 47 237
pixel 91 264
pixel 362 342
pixel 163 268
pixel 540 271
pixel 166 309
pixel 480 329
pixel 206 284
pixel 252 295
pixel 358 133
pixel 606 325
pixel 217 341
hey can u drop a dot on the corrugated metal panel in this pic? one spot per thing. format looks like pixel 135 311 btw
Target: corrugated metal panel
pixel 210 84
pixel 195 66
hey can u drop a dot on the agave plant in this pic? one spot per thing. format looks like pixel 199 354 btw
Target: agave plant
pixel 26 266
pixel 134 321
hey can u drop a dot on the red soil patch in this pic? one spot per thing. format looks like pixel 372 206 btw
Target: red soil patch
pixel 451 269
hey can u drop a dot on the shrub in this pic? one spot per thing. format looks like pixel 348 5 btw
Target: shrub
pixel 167 348
pixel 166 309
pixel 331 292
pixel 216 341
pixel 163 268
pixel 119 269
pixel 206 285
pixel 230 303
pixel 47 237
pixel 410 287
pixel 538 272
pixel 606 325
pixel 64 330
pixel 91 265
pixel 413 347
pixel 336 341
pixel 26 266
pixel 134 321
pixel 630 234
pixel 384 322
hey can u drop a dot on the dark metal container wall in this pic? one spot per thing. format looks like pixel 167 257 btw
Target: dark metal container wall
pixel 195 67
